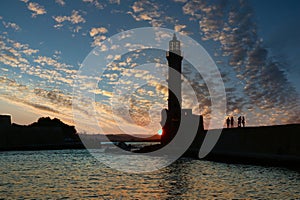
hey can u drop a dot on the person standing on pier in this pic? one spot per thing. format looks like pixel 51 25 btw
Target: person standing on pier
pixel 228 122
pixel 239 121
pixel 232 122
pixel 243 121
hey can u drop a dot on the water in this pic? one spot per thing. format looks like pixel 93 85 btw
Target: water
pixel 75 174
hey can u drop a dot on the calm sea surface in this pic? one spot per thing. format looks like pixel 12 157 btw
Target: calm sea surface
pixel 75 174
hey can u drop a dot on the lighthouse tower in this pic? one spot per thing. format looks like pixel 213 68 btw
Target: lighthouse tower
pixel 174 79
pixel 171 116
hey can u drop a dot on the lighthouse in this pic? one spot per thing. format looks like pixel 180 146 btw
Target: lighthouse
pixel 171 117
pixel 174 78
pixel 174 115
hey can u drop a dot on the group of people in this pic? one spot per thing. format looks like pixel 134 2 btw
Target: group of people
pixel 230 121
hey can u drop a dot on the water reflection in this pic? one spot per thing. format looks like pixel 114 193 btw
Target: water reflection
pixel 175 178
pixel 76 174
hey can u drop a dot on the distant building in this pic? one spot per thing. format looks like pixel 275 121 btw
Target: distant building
pixel 5 120
pixel 174 115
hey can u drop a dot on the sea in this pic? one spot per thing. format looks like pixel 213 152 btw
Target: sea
pixel 77 174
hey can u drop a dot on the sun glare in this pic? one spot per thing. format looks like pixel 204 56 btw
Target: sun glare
pixel 159 132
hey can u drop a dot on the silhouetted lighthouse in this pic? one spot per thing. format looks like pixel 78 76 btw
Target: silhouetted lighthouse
pixel 174 79
pixel 175 116
pixel 172 115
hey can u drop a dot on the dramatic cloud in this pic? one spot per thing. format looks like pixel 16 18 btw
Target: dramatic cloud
pixel 263 83
pixel 40 75
pixel 49 103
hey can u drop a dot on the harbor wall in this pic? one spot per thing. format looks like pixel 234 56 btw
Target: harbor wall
pixel 266 144
pixel 277 140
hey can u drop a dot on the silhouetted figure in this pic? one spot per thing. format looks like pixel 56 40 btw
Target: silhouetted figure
pixel 228 122
pixel 243 121
pixel 232 122
pixel 239 121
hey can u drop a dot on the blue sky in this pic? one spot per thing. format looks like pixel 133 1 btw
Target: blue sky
pixel 254 43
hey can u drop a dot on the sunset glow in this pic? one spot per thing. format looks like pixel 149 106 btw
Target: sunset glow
pixel 43 45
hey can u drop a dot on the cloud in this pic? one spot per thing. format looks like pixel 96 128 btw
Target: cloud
pixel 12 53
pixel 24 93
pixel 44 97
pixel 41 102
pixel 256 83
pixel 55 96
pixel 179 27
pixel 144 10
pixel 30 51
pixel 98 35
pixel 102 92
pixel 42 107
pixel 95 3
pixel 18 55
pixel 97 40
pixel 260 80
pixel 60 2
pixel 115 2
pixel 36 9
pixel 138 6
pixel 181 1
pixel 46 60
pixel 193 8
pixel 74 18
pixel 12 25
pixel 57 104
pixel 96 31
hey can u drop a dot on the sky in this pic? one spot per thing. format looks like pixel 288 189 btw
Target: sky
pixel 255 45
